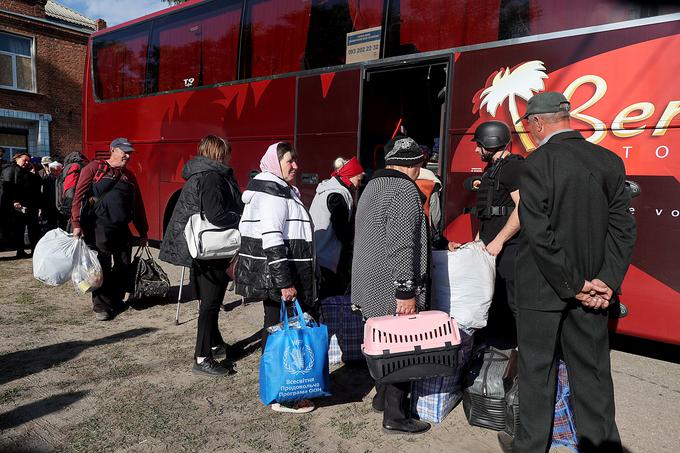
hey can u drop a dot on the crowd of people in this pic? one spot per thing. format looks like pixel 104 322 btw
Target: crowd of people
pixel 557 223
pixel 29 200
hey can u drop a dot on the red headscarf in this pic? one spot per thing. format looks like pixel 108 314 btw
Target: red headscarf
pixel 349 170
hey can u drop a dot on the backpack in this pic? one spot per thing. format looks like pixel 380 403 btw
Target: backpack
pixel 66 187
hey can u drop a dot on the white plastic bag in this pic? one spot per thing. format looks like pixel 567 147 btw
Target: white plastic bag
pixel 87 272
pixel 463 283
pixel 53 257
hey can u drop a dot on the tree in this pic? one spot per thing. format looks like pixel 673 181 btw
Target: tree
pixel 174 2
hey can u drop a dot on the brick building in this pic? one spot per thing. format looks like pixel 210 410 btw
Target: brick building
pixel 43 47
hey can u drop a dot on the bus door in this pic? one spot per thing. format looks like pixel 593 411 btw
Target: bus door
pixel 326 126
pixel 407 98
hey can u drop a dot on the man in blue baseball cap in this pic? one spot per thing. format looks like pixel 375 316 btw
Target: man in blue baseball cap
pixel 111 198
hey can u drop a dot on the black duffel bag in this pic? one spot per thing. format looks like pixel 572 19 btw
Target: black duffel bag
pixel 490 376
pixel 149 279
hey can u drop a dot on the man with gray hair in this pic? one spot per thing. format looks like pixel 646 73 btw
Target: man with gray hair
pixel 575 246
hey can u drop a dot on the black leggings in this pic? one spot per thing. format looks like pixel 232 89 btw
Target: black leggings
pixel 210 280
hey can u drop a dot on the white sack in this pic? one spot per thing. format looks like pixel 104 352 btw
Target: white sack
pixel 53 257
pixel 463 283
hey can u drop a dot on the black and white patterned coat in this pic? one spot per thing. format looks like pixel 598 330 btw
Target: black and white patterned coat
pixel 391 246
pixel 277 248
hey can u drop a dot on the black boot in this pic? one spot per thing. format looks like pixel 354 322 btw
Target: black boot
pixel 378 402
pixel 396 415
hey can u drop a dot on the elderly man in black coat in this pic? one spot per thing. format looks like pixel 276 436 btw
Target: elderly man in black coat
pixel 576 244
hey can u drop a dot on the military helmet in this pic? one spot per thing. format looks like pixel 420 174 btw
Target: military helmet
pixel 492 135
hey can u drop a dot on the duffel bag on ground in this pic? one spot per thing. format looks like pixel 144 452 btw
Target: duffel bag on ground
pixel 564 428
pixel 490 377
pixel 432 399
pixel 345 329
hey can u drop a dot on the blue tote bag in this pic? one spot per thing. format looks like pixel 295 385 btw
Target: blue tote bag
pixel 294 364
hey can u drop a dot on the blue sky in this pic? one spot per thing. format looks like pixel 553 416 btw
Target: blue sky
pixel 114 11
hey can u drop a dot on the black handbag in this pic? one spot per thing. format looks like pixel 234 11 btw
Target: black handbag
pixel 149 278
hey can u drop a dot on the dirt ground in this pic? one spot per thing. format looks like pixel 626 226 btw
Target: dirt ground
pixel 69 383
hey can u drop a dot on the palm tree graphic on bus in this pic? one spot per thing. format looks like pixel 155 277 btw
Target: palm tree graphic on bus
pixel 524 81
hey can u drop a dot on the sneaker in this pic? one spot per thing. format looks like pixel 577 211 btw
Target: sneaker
pixel 102 316
pixel 294 407
pixel 219 352
pixel 210 367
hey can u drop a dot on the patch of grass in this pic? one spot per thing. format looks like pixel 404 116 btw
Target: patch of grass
pixel 25 299
pixel 348 428
pixel 8 395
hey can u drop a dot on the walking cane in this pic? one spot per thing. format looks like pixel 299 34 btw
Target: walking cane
pixel 179 296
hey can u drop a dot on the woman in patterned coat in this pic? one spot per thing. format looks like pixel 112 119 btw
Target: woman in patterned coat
pixel 391 255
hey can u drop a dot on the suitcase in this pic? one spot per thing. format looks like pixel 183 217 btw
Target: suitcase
pixel 408 348
pixel 488 382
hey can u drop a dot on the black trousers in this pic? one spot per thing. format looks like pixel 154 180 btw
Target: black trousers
pixel 272 315
pixel 210 280
pixel 393 400
pixel 114 253
pixel 583 339
pixel 500 330
pixel 22 221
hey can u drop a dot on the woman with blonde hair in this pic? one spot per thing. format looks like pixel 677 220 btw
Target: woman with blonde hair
pixel 210 187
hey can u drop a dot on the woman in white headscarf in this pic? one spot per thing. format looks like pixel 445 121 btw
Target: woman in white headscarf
pixel 276 259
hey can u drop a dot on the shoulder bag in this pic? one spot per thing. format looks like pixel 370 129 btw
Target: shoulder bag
pixel 207 241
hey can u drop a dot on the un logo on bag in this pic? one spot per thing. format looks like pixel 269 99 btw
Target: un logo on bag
pixel 298 358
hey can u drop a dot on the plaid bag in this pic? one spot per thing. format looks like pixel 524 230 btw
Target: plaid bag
pixel 345 329
pixel 564 428
pixel 432 399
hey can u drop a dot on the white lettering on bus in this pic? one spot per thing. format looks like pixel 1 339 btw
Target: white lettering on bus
pixel 665 148
pixel 627 148
pixel 600 89
pixel 675 213
pixel 646 109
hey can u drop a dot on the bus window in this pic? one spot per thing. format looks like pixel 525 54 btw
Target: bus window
pixel 329 23
pixel 120 62
pixel 553 15
pixel 196 46
pixel 274 36
pixel 439 24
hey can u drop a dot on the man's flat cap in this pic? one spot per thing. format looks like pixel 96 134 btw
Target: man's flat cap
pixel 547 102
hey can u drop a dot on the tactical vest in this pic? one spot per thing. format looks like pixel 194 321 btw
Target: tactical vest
pixel 488 188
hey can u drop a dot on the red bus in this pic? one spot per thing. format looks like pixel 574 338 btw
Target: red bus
pixel 335 76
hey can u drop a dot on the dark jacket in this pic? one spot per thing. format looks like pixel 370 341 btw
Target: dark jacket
pixel 575 222
pixel 20 184
pixel 277 242
pixel 212 182
pixel 121 201
pixel 391 245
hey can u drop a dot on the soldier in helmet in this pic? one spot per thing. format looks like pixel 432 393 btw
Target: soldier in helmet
pixel 497 200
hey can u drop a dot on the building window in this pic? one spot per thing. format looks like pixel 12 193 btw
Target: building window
pixel 16 62
pixel 13 141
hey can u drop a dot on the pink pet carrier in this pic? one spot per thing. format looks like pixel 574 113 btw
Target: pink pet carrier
pixel 408 348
